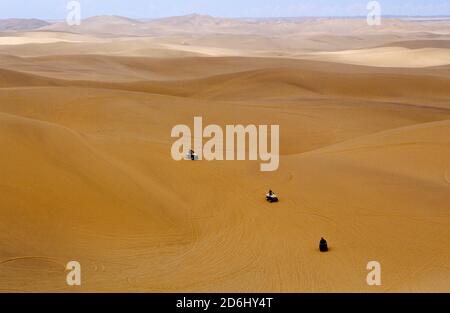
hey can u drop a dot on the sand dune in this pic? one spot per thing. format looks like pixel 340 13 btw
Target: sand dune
pixel 204 24
pixel 407 192
pixel 227 78
pixel 18 24
pixel 21 40
pixel 390 57
pixel 87 175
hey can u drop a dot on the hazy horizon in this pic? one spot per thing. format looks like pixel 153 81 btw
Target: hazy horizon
pixel 446 16
pixel 140 9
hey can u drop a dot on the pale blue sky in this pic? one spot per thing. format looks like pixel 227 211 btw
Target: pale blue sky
pixel 56 9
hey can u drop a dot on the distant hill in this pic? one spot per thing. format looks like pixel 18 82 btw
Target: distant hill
pixel 118 25
pixel 21 24
pixel 109 19
pixel 103 24
pixel 195 20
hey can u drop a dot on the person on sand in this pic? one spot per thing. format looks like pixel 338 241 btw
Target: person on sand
pixel 323 246
pixel 271 197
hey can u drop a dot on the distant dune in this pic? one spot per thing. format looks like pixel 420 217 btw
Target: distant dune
pixel 97 25
pixel 16 24
pixel 205 24
pixel 86 174
pixel 390 57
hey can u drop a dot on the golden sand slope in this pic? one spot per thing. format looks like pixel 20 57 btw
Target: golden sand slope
pixel 389 57
pixel 86 175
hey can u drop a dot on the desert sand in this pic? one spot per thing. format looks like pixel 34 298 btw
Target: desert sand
pixel 86 172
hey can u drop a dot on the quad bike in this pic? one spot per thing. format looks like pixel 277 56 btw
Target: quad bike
pixel 191 155
pixel 271 197
pixel 323 245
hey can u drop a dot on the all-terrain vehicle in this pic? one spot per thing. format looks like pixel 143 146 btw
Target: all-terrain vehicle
pixel 271 197
pixel 323 245
pixel 191 155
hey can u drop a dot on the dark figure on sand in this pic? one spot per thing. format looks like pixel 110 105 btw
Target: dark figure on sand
pixel 323 246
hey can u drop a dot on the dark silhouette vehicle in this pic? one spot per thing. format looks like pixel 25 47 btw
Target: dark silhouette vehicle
pixel 271 197
pixel 191 155
pixel 323 245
